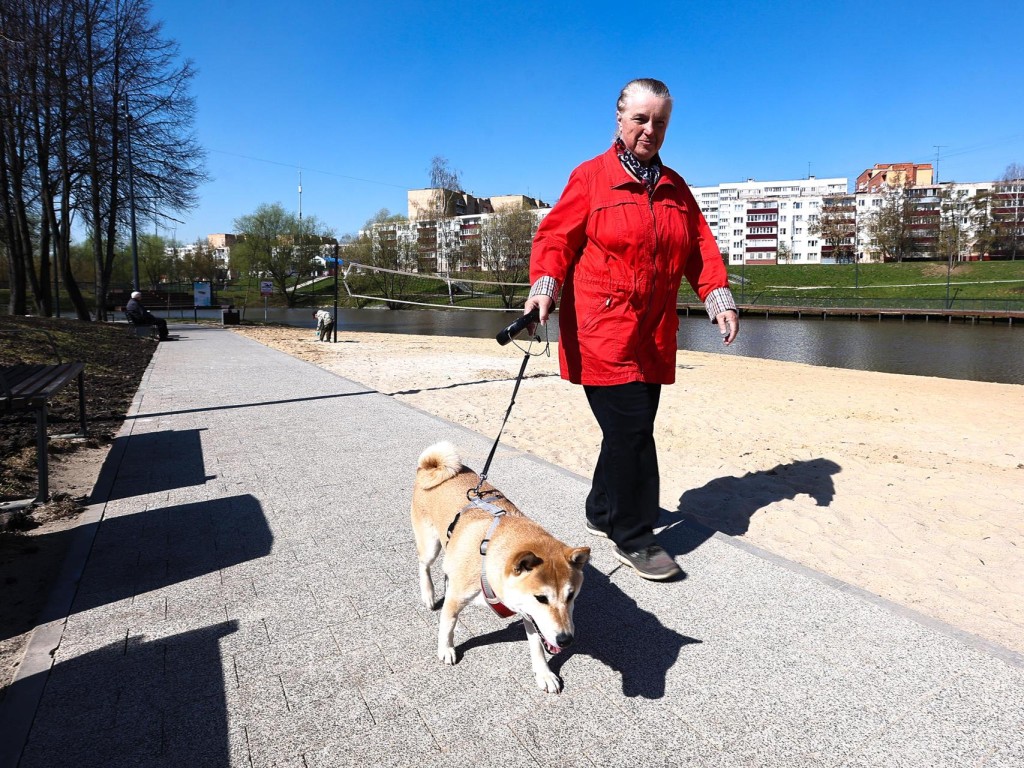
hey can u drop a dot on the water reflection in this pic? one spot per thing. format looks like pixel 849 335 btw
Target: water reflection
pixel 982 352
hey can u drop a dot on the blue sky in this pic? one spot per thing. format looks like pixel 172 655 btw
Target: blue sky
pixel 361 95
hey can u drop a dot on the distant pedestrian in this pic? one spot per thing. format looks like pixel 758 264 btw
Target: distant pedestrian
pixel 324 324
pixel 139 315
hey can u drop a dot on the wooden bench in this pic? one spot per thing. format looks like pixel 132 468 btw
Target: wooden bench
pixel 143 330
pixel 30 387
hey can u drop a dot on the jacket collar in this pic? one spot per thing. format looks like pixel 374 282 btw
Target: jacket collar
pixel 620 177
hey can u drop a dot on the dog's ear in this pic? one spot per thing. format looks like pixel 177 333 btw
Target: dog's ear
pixel 578 557
pixel 525 561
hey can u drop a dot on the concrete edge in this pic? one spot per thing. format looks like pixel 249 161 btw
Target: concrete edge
pixel 18 709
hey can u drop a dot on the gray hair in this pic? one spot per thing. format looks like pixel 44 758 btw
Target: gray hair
pixel 646 85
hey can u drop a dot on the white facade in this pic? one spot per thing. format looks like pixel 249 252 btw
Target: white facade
pixel 771 222
pixel 751 219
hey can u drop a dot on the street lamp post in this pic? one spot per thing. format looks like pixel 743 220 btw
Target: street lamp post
pixel 334 339
pixel 131 195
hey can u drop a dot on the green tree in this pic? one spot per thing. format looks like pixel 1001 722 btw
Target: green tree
pixel 505 241
pixel 154 262
pixel 265 234
pixel 197 264
pixel 386 245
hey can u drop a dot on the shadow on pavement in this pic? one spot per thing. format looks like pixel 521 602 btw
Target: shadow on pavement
pixel 138 703
pixel 154 462
pixel 150 550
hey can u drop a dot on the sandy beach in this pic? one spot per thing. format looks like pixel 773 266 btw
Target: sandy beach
pixel 908 487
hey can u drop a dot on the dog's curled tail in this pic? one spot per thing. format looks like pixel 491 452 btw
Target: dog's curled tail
pixel 438 463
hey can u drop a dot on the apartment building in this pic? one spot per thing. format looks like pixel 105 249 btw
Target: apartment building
pixel 768 222
pixel 451 242
pixel 882 175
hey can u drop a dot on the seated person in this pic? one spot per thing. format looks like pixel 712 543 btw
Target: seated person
pixel 138 315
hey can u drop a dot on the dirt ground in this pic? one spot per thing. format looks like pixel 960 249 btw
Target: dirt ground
pixel 30 552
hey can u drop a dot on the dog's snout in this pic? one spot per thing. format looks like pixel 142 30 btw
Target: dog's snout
pixel 564 639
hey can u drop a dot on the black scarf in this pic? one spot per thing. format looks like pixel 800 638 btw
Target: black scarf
pixel 647 174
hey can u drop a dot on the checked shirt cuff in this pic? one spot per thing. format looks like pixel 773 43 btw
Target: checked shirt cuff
pixel 718 301
pixel 545 286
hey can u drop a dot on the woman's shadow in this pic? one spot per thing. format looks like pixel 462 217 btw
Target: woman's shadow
pixel 726 504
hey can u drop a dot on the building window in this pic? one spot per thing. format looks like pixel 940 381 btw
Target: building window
pixel 798 205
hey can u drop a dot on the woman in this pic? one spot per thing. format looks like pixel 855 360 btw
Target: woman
pixel 618 243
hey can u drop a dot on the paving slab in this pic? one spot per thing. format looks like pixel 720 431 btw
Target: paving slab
pixel 246 594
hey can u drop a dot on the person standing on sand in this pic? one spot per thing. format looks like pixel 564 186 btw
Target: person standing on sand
pixel 324 324
pixel 617 244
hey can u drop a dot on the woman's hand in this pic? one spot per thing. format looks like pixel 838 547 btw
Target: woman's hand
pixel 728 325
pixel 544 305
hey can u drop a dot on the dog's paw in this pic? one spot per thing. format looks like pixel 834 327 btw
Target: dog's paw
pixel 428 600
pixel 548 681
pixel 447 655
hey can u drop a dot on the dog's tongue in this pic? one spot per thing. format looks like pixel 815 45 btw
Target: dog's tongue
pixel 552 649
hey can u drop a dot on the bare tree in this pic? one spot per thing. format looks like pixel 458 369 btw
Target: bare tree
pixel 1008 212
pixel 955 224
pixel 66 70
pixel 836 225
pixel 506 237
pixel 889 225
pixel 441 244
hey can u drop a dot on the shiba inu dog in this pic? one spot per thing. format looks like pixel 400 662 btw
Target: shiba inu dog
pixel 525 570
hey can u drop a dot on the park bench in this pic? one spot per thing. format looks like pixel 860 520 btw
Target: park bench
pixel 143 330
pixel 30 387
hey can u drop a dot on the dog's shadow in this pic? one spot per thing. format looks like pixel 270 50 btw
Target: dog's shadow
pixel 612 629
pixel 726 504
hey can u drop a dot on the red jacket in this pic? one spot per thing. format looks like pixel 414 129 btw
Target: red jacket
pixel 620 258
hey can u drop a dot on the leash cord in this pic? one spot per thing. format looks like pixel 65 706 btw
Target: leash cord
pixel 519 380
pixel 487 464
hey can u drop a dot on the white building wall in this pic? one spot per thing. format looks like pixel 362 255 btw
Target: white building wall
pixel 729 206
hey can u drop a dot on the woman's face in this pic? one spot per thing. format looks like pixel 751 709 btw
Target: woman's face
pixel 642 124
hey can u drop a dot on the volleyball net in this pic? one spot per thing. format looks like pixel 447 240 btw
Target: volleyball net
pixel 366 284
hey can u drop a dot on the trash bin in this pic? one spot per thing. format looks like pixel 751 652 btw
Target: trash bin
pixel 231 317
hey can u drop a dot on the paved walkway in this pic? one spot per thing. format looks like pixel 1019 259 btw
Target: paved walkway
pixel 247 596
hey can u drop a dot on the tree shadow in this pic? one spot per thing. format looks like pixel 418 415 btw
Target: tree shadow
pixel 135 553
pixel 158 461
pixel 135 702
pixel 726 504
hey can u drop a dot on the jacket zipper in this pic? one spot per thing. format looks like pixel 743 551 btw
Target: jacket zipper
pixel 654 275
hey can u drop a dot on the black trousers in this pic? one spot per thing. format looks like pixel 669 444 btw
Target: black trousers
pixel 159 322
pixel 624 497
pixel 325 331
